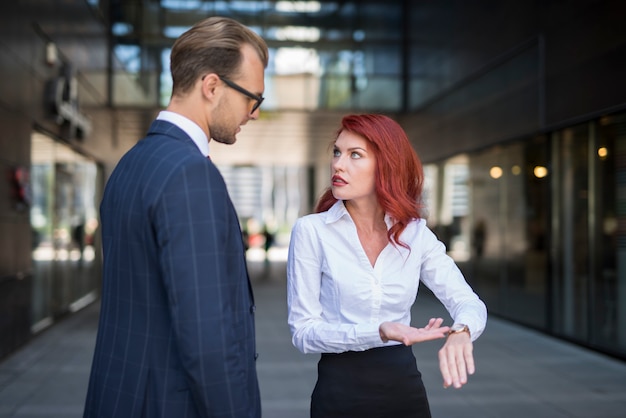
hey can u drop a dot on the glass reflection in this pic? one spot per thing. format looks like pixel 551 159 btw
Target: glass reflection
pixel 64 225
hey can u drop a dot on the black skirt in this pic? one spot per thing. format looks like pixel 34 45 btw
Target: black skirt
pixel 377 383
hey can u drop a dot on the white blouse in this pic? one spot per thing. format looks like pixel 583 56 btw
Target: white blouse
pixel 337 300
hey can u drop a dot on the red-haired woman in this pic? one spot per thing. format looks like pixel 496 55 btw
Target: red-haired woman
pixel 353 273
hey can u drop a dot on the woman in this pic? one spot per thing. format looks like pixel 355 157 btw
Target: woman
pixel 353 273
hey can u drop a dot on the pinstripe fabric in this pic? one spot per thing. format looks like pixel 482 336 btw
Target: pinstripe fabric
pixel 176 332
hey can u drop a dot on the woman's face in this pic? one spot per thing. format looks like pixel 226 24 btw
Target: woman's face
pixel 353 168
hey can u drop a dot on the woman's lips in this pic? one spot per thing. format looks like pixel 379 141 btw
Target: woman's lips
pixel 338 181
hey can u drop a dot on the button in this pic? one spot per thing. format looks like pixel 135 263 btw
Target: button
pixel 256 356
pixel 252 309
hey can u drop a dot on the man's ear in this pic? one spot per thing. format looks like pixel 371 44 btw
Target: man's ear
pixel 209 84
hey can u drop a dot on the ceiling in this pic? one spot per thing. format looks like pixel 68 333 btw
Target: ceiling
pixel 337 23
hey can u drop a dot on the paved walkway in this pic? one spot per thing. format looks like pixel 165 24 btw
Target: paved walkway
pixel 520 373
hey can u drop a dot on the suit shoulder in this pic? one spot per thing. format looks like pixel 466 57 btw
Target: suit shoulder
pixel 159 162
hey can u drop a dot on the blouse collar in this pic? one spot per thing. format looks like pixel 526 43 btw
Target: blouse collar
pixel 338 211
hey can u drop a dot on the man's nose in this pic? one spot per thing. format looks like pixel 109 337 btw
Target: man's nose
pixel 255 115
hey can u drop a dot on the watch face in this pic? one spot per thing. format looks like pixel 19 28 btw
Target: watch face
pixel 458 327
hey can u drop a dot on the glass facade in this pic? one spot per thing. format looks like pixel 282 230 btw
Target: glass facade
pixel 323 55
pixel 537 226
pixel 64 223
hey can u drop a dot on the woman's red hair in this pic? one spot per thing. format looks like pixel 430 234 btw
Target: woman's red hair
pixel 399 173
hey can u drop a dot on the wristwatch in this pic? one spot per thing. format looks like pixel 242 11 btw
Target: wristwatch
pixel 456 328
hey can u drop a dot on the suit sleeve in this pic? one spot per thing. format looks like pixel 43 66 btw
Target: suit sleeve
pixel 204 273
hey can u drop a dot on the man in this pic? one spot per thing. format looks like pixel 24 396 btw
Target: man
pixel 176 334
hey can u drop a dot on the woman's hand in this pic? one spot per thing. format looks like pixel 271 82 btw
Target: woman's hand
pixel 408 335
pixel 456 360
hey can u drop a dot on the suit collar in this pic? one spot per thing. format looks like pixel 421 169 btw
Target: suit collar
pixel 186 127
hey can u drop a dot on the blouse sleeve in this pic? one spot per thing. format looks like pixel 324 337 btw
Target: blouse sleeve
pixel 442 276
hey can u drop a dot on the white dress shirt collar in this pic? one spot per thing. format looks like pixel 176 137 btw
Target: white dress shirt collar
pixel 338 210
pixel 191 128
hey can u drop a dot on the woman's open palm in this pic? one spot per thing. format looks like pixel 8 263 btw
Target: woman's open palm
pixel 407 335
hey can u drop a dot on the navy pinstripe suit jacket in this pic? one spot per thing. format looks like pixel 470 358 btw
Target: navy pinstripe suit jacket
pixel 176 333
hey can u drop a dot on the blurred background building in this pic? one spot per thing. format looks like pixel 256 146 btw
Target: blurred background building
pixel 517 109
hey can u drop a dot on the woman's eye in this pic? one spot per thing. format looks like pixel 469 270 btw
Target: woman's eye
pixel 336 153
pixel 355 155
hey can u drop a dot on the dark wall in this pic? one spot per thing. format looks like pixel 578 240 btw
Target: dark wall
pixel 484 72
pixel 16 101
pixel 26 28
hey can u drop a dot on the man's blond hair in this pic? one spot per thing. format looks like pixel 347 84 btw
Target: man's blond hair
pixel 212 45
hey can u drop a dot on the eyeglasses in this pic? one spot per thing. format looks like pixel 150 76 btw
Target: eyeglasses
pixel 233 85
